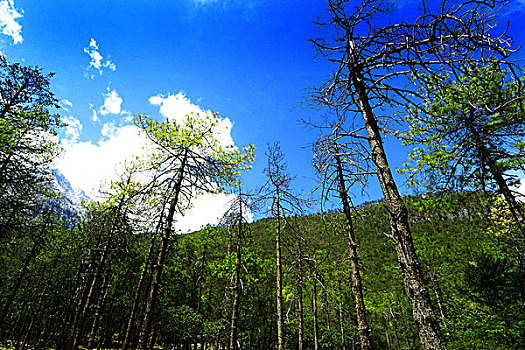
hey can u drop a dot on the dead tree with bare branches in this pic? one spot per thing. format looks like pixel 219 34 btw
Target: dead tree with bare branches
pixel 379 65
pixel 277 192
pixel 340 164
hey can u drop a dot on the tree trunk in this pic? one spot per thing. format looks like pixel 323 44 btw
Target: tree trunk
pixel 300 324
pixel 416 290
pixel 394 325
pixel 65 325
pixel 105 255
pixel 72 336
pixel 314 307
pixel 157 269
pixel 514 207
pixel 100 305
pixel 362 324
pixel 387 332
pixel 35 318
pixel 341 319
pixel 326 309
pixel 237 284
pixel 279 289
pixel 136 299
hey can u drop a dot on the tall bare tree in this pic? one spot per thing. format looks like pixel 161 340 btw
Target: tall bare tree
pixel 278 192
pixel 235 220
pixel 378 65
pixel 336 163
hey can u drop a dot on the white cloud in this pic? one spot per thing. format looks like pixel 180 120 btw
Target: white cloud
pixel 88 165
pixel 109 130
pixel 202 2
pixel 97 61
pixel 176 107
pixel 94 115
pixel 73 128
pixel 207 209
pixel 112 66
pixel 66 104
pixel 128 117
pixel 248 7
pixel 8 23
pixel 112 103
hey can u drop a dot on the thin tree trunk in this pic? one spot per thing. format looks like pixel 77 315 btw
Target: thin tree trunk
pixel 198 337
pixel 357 284
pixel 514 207
pixel 136 299
pixel 417 291
pixel 20 321
pixel 441 308
pixel 327 309
pixel 394 325
pixel 279 289
pixel 72 337
pixel 341 319
pixel 157 269
pixel 201 278
pixel 237 284
pixel 300 324
pixel 36 317
pixel 100 305
pixel 314 307
pixel 65 333
pixel 96 277
pixel 387 333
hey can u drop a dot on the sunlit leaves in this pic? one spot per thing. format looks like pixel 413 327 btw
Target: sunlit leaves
pixel 481 110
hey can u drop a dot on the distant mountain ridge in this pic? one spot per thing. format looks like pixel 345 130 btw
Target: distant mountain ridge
pixel 62 185
pixel 68 205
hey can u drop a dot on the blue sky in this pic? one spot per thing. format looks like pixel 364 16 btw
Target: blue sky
pixel 248 60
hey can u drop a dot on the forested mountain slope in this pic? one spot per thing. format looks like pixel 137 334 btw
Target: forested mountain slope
pixel 56 286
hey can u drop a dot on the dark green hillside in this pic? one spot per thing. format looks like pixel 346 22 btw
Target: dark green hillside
pixel 464 242
pixel 454 235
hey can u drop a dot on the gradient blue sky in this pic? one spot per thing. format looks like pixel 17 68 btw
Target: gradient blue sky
pixel 249 60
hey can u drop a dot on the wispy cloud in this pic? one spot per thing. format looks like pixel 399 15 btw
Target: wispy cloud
pixel 203 2
pixel 73 128
pixel 66 104
pixel 97 60
pixel 8 23
pixel 247 7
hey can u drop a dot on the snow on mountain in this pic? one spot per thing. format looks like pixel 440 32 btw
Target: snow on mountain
pixel 62 185
pixel 69 204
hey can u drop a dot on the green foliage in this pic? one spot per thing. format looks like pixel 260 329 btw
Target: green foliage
pixel 491 307
pixel 210 166
pixel 27 146
pixel 464 126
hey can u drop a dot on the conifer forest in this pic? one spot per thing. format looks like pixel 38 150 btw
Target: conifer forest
pixel 436 264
